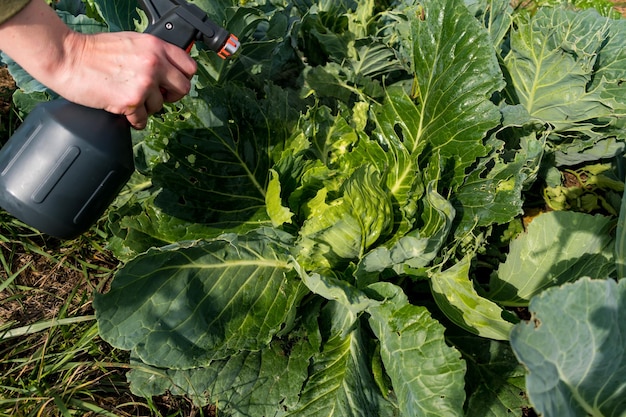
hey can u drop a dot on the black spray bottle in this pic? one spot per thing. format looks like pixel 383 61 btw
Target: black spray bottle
pixel 66 163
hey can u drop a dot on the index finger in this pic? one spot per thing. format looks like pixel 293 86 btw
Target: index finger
pixel 181 60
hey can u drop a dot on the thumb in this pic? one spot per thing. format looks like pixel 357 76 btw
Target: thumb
pixel 138 119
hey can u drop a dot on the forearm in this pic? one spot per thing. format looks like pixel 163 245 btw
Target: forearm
pixel 37 39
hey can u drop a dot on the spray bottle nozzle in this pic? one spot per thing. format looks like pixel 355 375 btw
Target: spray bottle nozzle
pixel 230 48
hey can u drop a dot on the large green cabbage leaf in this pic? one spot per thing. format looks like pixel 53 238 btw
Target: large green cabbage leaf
pixel 248 383
pixel 558 247
pixel 426 374
pixel 186 305
pixel 563 66
pixel 573 347
pixel 455 74
pixel 340 381
pixel 456 296
pixel 552 61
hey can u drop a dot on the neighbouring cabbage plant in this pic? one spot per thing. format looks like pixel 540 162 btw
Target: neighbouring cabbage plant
pixel 349 218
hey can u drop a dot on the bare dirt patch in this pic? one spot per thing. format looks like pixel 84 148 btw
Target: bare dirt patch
pixel 47 283
pixel 620 6
pixel 7 86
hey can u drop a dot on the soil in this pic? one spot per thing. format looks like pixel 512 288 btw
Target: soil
pixel 620 6
pixel 7 86
pixel 52 279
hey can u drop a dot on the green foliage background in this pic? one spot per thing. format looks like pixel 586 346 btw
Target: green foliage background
pixel 335 222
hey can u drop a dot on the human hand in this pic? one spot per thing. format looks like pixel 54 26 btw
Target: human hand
pixel 125 73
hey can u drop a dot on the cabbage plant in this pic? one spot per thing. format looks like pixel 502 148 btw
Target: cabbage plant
pixel 348 219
